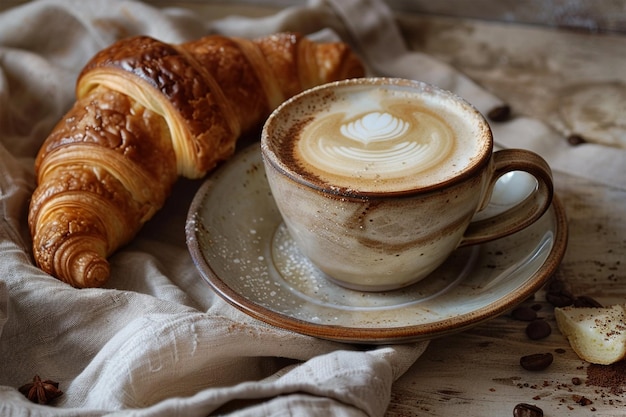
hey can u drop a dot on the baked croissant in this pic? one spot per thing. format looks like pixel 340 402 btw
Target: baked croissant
pixel 146 113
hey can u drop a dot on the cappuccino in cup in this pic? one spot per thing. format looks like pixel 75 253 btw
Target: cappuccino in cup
pixel 378 179
pixel 387 139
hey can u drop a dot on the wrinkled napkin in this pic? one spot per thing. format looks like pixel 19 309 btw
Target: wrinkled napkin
pixel 156 341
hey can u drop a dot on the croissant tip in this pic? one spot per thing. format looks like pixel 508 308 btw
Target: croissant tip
pixel 92 271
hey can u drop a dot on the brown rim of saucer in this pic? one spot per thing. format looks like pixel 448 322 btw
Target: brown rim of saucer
pixel 477 164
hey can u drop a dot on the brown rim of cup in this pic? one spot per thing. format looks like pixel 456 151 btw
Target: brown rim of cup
pixel 475 165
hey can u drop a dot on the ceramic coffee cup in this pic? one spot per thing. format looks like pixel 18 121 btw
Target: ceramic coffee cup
pixel 378 180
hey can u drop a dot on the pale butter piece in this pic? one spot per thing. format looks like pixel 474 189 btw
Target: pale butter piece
pixel 597 335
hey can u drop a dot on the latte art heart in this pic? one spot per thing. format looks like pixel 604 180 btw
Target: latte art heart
pixel 375 126
pixel 375 145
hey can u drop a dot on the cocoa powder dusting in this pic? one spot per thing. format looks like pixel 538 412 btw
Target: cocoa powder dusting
pixel 611 376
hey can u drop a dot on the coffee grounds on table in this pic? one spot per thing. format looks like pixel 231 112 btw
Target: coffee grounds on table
pixel 608 376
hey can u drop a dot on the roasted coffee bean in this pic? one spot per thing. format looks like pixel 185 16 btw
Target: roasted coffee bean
pixel 536 361
pixel 527 410
pixel 560 298
pixel 524 314
pixel 586 301
pixel 500 113
pixel 575 139
pixel 538 329
pixel 557 285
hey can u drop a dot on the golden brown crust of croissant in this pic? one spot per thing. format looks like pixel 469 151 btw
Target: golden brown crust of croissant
pixel 146 113
pixel 104 170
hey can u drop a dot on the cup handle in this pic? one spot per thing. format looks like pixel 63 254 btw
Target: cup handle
pixel 525 212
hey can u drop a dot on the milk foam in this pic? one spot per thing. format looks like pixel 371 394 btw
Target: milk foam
pixel 386 138
pixel 373 127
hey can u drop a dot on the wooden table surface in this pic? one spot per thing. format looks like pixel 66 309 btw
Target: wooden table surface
pixel 536 70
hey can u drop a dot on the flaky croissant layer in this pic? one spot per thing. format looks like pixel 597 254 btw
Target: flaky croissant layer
pixel 146 113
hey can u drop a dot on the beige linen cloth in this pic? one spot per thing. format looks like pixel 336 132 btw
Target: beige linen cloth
pixel 157 341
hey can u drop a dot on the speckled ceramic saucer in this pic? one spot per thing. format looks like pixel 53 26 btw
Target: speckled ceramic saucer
pixel 236 238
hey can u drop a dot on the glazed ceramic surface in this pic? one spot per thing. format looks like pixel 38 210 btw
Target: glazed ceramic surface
pixel 378 179
pixel 240 245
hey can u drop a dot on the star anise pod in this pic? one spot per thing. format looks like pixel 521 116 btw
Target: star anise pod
pixel 41 392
